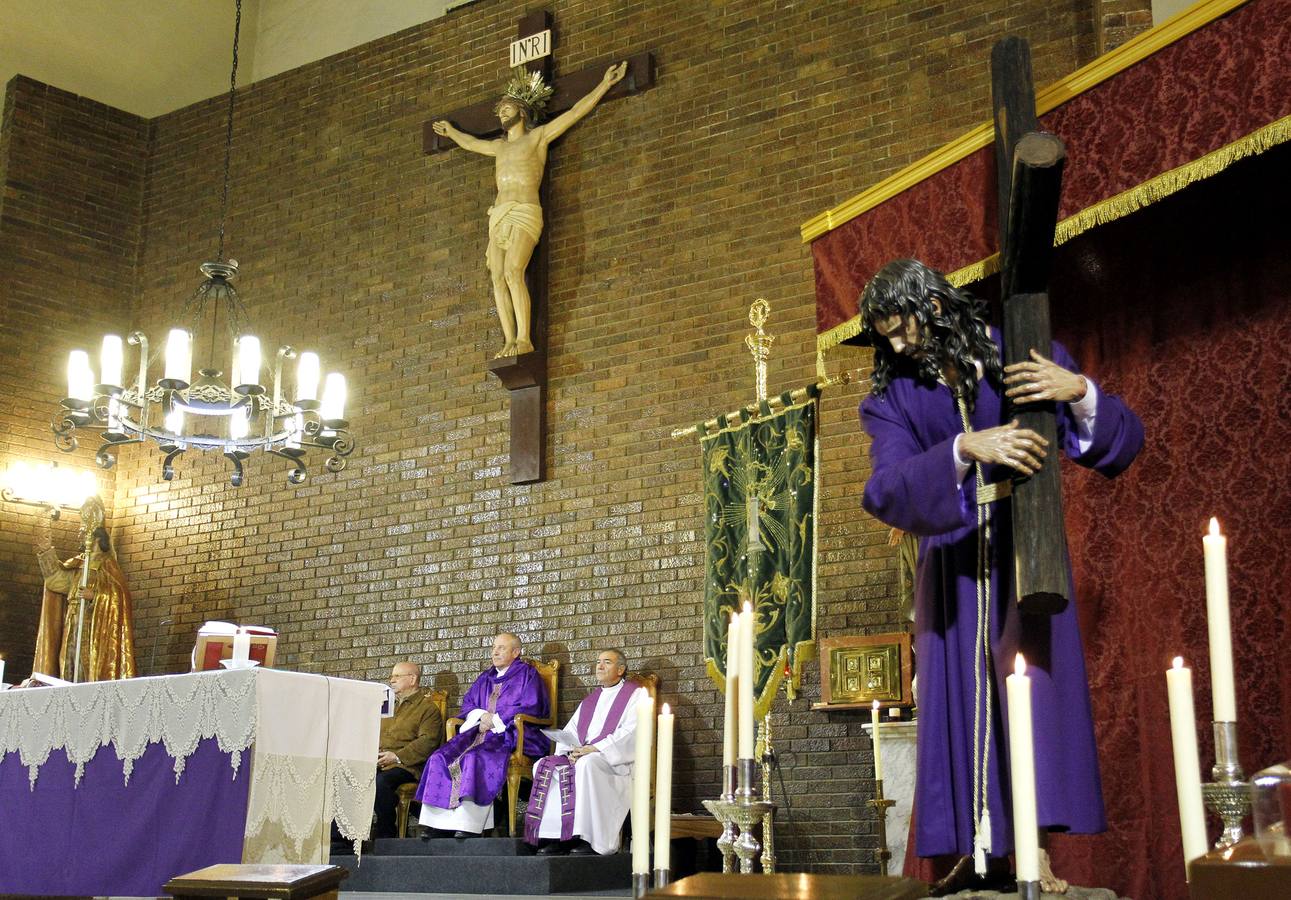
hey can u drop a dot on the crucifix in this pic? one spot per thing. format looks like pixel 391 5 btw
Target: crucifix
pixel 517 248
pixel 1028 166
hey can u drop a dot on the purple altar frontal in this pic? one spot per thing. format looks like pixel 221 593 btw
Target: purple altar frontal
pixel 116 787
pixel 107 836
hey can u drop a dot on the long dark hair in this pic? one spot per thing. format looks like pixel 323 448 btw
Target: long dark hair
pixel 957 335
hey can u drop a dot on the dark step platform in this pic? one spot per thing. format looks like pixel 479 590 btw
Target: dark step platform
pixel 488 866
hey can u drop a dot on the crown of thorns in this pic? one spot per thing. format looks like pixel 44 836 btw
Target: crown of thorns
pixel 528 89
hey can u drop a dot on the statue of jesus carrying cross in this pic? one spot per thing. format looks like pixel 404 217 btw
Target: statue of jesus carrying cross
pixel 515 218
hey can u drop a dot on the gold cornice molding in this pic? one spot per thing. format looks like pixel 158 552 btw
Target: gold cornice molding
pixel 1133 51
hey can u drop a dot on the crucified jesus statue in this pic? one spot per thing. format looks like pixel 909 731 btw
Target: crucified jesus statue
pixel 515 218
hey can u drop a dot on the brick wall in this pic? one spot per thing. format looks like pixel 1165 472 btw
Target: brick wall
pixel 670 212
pixel 73 174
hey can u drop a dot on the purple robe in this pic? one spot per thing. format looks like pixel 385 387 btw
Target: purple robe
pixel 914 487
pixel 471 767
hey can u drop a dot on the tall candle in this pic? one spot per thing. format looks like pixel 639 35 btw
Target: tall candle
pixel 1 670
pixel 663 793
pixel 1215 546
pixel 732 663
pixel 641 784
pixel 1026 836
pixel 1187 767
pixel 748 672
pixel 874 730
pixel 241 645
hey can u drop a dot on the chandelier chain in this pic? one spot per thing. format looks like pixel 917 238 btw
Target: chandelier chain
pixel 228 137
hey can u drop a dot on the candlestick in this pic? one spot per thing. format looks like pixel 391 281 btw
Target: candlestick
pixel 1215 547
pixel 641 786
pixel 1026 835
pixel 747 679
pixel 663 796
pixel 874 730
pixel 732 682
pixel 1187 766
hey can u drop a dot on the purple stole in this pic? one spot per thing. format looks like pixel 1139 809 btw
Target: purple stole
pixel 559 768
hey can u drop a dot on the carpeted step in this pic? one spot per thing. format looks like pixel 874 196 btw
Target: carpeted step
pixel 496 873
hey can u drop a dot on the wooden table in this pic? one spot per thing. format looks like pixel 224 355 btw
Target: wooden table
pixel 788 886
pixel 263 881
pixel 1239 872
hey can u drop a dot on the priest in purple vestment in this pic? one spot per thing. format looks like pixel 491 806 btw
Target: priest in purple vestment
pixel 462 778
pixel 936 417
pixel 582 794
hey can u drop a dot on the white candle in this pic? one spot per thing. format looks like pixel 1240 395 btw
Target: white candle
pixel 641 785
pixel 1215 546
pixel 333 404
pixel 1026 836
pixel 663 793
pixel 1 670
pixel 874 730
pixel 732 680
pixel 307 373
pixel 747 676
pixel 179 359
pixel 248 361
pixel 80 377
pixel 241 645
pixel 111 358
pixel 1187 767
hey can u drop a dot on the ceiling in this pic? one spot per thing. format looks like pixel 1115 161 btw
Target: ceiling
pixel 150 57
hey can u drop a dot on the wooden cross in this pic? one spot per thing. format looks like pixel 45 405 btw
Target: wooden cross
pixel 525 376
pixel 1028 165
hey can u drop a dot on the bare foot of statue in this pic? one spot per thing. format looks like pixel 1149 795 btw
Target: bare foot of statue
pixel 508 349
pixel 522 346
pixel 1049 882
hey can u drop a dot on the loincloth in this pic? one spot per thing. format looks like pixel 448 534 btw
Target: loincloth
pixel 505 218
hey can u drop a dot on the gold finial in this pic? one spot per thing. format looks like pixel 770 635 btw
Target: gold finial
pixel 759 344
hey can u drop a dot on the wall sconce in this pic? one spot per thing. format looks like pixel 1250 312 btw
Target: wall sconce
pixel 48 486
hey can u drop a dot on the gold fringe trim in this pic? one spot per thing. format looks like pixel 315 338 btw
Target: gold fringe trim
pixel 1128 54
pixel 1154 190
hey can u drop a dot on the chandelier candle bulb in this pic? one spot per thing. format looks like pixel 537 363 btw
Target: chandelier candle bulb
pixel 1026 836
pixel 1215 547
pixel 239 426
pixel 874 728
pixel 179 359
pixel 1187 764
pixel 307 375
pixel 644 736
pixel 732 682
pixel 247 380
pixel 747 674
pixel 333 407
pixel 175 422
pixel 80 377
pixel 663 793
pixel 111 360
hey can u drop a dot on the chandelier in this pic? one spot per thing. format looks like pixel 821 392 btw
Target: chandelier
pixel 179 412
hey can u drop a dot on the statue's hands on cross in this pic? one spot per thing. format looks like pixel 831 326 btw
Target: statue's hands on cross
pixel 1042 379
pixel 614 74
pixel 1009 445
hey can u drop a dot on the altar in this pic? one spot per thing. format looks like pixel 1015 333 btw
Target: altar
pixel 115 787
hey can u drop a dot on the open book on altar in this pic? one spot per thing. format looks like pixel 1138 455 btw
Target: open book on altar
pixel 215 642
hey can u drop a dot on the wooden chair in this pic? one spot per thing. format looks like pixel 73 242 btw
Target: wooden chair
pixel 520 766
pixel 405 792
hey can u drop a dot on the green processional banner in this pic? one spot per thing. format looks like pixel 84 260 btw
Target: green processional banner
pixel 760 525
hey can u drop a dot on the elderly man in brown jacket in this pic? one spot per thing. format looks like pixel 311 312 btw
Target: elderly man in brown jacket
pixel 407 739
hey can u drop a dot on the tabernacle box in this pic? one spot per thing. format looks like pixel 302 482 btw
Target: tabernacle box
pixel 215 642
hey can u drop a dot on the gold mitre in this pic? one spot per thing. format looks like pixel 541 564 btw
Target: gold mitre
pixel 528 89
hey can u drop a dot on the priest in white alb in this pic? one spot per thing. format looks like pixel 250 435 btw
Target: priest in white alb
pixel 581 795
